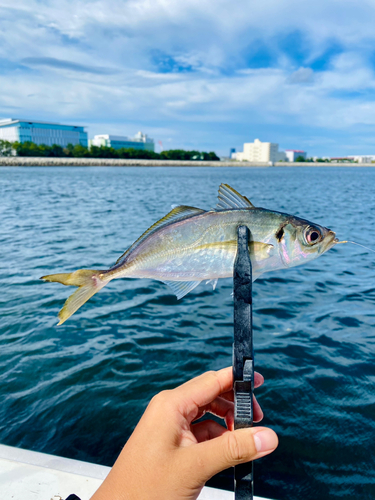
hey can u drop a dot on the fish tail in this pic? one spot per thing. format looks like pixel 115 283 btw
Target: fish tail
pixel 89 282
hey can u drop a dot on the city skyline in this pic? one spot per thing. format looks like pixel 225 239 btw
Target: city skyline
pixel 196 75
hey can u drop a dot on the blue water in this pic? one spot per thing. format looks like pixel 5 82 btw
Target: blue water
pixel 78 390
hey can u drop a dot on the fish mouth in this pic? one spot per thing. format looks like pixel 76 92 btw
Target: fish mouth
pixel 330 240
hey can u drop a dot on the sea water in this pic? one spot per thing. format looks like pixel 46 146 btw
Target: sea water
pixel 78 390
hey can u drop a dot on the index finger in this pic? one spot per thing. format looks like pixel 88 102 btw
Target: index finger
pixel 201 390
pixel 258 381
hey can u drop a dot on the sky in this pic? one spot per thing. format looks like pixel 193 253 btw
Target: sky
pixel 196 74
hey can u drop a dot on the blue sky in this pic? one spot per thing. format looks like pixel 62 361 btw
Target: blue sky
pixel 196 74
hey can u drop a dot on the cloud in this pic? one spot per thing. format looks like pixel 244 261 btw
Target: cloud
pixel 72 66
pixel 206 74
pixel 302 75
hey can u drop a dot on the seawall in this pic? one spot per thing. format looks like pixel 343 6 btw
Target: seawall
pixel 320 164
pixel 24 161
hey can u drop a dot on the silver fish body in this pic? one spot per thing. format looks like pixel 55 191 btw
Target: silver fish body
pixel 190 245
pixel 204 247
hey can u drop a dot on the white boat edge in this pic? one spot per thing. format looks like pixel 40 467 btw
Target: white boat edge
pixel 35 476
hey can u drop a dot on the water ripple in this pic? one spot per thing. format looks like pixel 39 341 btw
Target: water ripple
pixel 79 390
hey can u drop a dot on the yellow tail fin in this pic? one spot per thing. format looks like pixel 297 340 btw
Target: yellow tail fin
pixel 89 282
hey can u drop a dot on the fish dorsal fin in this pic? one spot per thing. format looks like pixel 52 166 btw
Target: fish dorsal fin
pixel 229 198
pixel 178 213
pixel 181 288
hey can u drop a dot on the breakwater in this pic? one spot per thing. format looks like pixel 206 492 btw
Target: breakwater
pixel 25 161
pixel 28 161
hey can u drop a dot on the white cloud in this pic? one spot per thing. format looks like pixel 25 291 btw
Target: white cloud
pixel 167 65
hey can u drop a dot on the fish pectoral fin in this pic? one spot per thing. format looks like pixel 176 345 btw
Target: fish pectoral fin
pixel 261 250
pixel 230 198
pixel 181 288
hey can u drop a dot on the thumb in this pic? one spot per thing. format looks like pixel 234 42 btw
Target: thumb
pixel 232 448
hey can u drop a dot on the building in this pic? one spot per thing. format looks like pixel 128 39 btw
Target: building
pixel 15 129
pixel 293 154
pixel 140 141
pixel 362 158
pixel 342 159
pixel 263 152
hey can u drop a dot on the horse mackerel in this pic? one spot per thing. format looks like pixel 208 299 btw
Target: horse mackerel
pixel 190 245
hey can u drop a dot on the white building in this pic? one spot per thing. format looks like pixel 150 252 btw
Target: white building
pixel 263 152
pixel 293 154
pixel 15 129
pixel 140 141
pixel 362 158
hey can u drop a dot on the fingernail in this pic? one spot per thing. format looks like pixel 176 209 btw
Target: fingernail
pixel 265 440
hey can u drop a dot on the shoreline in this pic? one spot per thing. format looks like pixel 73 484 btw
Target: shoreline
pixel 27 161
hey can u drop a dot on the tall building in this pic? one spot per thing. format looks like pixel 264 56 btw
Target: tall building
pixel 293 154
pixel 15 129
pixel 140 141
pixel 262 152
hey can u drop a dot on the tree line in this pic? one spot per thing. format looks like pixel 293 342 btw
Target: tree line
pixel 79 151
pixel 302 159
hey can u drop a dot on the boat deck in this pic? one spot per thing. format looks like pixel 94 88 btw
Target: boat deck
pixel 35 476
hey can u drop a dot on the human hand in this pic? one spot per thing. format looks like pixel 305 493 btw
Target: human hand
pixel 169 458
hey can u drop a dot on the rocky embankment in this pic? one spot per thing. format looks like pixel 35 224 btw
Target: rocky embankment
pixel 24 161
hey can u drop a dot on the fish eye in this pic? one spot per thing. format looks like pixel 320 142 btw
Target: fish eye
pixel 313 235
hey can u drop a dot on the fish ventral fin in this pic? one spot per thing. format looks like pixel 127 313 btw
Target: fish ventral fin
pixel 181 288
pixel 230 198
pixel 213 283
pixel 178 213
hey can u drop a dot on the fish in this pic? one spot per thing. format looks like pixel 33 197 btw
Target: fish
pixel 190 245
